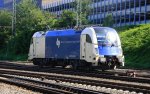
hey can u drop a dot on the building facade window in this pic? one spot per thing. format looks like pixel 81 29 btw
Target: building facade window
pixel 124 12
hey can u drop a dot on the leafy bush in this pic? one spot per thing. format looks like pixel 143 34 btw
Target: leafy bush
pixel 136 46
pixel 30 19
pixel 5 30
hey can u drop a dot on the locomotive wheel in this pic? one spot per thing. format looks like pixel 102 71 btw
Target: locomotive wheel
pixel 35 62
pixel 103 70
pixel 64 66
pixel 75 66
pixel 114 67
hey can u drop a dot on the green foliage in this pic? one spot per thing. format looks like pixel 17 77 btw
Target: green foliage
pixel 108 20
pixel 5 18
pixel 12 57
pixel 125 28
pixel 136 46
pixel 84 11
pixel 3 38
pixel 5 30
pixel 30 19
pixel 67 19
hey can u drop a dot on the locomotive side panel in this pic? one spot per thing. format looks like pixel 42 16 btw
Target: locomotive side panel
pixel 39 47
pixel 63 47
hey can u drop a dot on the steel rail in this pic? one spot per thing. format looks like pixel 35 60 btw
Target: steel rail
pixel 95 82
pixel 106 75
pixel 46 87
pixel 46 69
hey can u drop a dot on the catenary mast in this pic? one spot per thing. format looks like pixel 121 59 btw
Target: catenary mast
pixel 14 18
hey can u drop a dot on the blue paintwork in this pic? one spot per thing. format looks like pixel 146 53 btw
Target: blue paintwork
pixel 64 44
pixel 108 50
pixel 67 32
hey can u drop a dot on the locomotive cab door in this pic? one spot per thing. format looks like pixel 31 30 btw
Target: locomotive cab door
pixel 34 47
pixel 83 49
pixel 32 50
pixel 40 47
pixel 86 48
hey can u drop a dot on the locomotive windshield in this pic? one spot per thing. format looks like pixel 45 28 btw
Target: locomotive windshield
pixel 107 37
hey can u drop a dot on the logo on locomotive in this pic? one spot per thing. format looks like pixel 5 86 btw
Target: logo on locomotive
pixel 58 42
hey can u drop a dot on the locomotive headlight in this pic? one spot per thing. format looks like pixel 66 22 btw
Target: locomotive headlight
pixel 102 58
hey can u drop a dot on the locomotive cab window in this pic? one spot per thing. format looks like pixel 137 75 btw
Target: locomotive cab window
pixel 88 39
pixel 107 37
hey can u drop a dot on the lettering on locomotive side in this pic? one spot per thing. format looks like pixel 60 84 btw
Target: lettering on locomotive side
pixel 70 41
pixel 58 42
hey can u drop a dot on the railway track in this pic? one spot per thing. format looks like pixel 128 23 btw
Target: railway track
pixel 30 66
pixel 97 74
pixel 82 80
pixel 45 87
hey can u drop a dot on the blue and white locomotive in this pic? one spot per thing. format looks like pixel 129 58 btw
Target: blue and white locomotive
pixel 91 47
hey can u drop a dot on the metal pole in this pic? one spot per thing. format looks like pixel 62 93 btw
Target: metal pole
pixel 80 12
pixel 77 23
pixel 14 18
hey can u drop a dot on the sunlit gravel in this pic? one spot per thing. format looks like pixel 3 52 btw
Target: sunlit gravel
pixel 11 89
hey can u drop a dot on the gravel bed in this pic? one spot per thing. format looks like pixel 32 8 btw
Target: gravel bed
pixel 19 62
pixel 11 89
pixel 141 72
pixel 99 79
pixel 84 86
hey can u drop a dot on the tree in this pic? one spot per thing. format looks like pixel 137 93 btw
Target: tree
pixel 30 19
pixel 69 18
pixel 5 27
pixel 66 19
pixel 83 10
pixel 108 21
pixel 5 18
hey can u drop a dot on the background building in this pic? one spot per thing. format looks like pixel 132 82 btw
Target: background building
pixel 8 4
pixel 124 12
pixel 45 2
pixel 1 4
